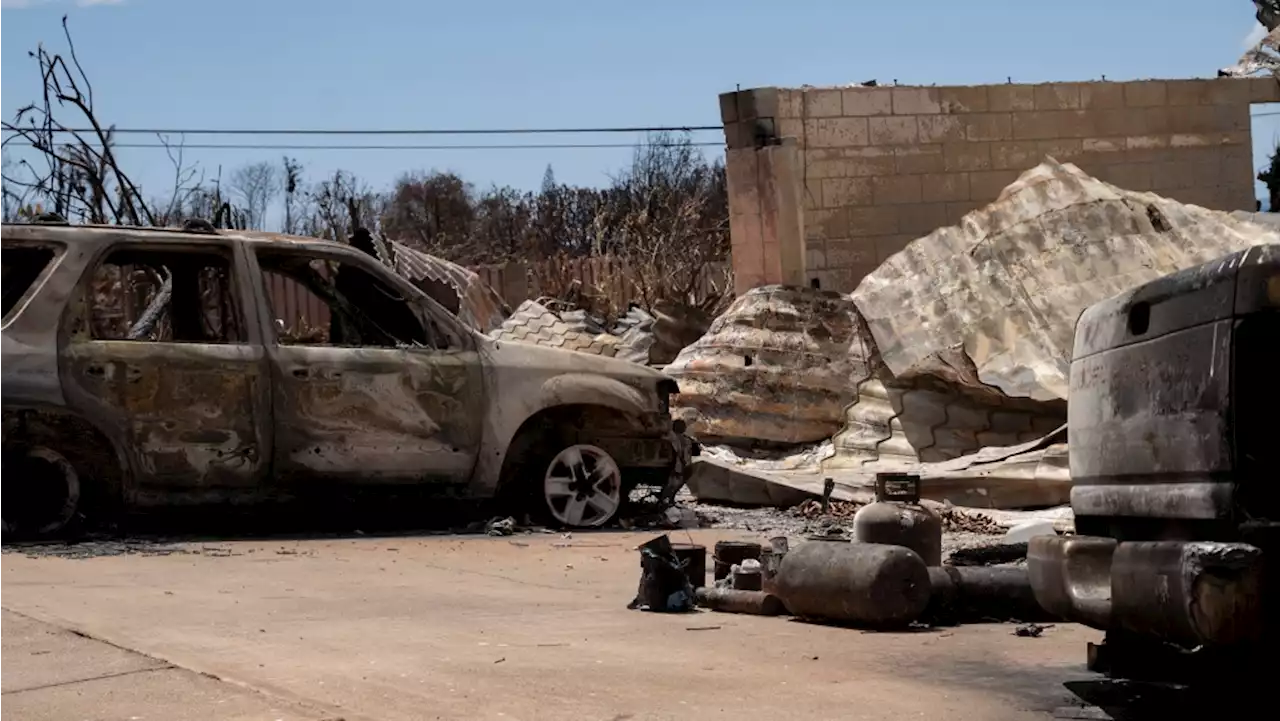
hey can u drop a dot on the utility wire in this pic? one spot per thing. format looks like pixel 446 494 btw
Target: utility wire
pixel 272 146
pixel 319 131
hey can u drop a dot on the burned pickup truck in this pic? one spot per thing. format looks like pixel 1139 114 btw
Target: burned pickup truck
pixel 153 367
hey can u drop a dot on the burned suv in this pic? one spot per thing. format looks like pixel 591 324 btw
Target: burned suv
pixel 155 367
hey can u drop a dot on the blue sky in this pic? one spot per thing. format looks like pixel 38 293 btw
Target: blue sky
pixel 555 63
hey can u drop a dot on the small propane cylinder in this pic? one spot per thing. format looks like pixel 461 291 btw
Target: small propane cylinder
pixel 897 518
pixel 863 583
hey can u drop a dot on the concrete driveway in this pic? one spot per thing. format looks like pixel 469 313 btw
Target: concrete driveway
pixel 524 627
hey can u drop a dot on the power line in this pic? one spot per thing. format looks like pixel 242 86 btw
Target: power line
pixel 334 131
pixel 273 146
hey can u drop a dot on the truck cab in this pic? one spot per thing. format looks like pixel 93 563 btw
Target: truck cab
pixel 1174 442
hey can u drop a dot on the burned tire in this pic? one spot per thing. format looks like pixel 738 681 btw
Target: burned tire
pixel 43 494
pixel 582 487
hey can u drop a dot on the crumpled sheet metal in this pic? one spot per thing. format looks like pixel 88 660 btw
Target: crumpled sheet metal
pixel 1261 58
pixel 1003 289
pixel 1027 475
pixel 779 365
pixel 535 323
pixel 927 419
pixel 479 305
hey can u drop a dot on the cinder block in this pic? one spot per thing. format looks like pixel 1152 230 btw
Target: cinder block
pixel 960 157
pixel 888 245
pixel 791 128
pixel 772 252
pixel 1101 95
pixel 845 280
pixel 988 126
pixel 896 189
pixel 827 223
pixel 745 230
pixel 835 132
pixel 1011 98
pixel 1230 91
pixel 741 176
pixel 1233 117
pixel 956 211
pixel 1197 140
pixel 1057 96
pixel 872 221
pixel 986 185
pixel 921 219
pixel 1187 92
pixel 1064 150
pixel 790 103
pixel 1156 121
pixel 815 260
pixel 963 99
pixel 1146 93
pixel 1118 123
pixel 859 102
pixel 729 107
pixel 1130 176
pixel 842 192
pixel 1146 142
pixel 1036 125
pixel 893 130
pixel 821 104
pixel 850 252
pixel 916 101
pixel 1264 90
pixel 944 187
pixel 940 128
pixel 916 159
pixel 813 193
pixel 1103 145
pixel 1174 175
pixel 868 162
pixel 1017 155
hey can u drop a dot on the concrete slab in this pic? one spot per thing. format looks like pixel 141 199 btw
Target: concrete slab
pixel 37 655
pixel 55 674
pixel 526 627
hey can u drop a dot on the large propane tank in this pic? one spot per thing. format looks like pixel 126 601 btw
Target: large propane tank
pixel 897 518
pixel 864 583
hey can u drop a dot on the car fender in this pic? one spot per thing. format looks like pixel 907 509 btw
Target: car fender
pixel 587 389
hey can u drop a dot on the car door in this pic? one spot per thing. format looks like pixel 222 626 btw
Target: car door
pixel 369 387
pixel 161 342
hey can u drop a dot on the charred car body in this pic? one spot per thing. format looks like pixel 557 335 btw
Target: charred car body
pixel 1175 462
pixel 151 367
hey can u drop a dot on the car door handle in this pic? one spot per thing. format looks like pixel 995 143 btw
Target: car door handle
pixel 96 371
pixel 302 373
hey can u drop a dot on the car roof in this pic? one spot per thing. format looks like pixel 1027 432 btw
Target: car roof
pixel 68 233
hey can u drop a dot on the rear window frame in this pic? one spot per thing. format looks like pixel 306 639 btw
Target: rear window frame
pixel 59 252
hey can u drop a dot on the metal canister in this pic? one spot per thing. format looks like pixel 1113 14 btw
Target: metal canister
pixel 897 518
pixel 728 600
pixel 728 553
pixel 864 583
pixel 693 559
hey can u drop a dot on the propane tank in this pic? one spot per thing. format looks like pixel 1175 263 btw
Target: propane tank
pixel 859 582
pixel 897 518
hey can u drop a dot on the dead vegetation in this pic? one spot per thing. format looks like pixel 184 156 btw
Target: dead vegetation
pixel 659 229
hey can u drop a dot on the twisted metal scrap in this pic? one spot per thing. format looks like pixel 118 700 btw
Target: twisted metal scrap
pixel 1265 56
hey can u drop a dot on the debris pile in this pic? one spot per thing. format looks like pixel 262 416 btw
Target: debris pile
pixel 639 336
pixel 778 366
pixel 951 359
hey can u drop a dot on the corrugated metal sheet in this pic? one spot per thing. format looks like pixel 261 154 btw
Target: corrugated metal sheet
pixel 1003 289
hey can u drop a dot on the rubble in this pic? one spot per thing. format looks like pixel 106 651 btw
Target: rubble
pixel 639 336
pixel 949 361
pixel 778 366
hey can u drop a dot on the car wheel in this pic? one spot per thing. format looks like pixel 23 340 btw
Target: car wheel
pixel 582 487
pixel 42 493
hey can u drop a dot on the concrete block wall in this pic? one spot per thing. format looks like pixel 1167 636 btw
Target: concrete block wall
pixel 881 166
